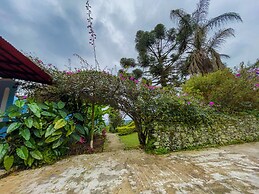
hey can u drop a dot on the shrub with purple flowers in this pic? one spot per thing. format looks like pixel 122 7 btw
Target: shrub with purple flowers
pixel 227 91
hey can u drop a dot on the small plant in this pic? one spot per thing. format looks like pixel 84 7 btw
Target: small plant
pixel 37 133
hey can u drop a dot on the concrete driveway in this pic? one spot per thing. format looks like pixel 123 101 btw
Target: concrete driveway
pixel 230 169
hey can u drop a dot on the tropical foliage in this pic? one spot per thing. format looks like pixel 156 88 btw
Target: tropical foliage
pixel 203 56
pixel 37 133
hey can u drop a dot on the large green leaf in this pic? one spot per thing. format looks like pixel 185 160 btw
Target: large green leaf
pixel 70 130
pixel 36 154
pixel 30 144
pixel 43 106
pixel 60 123
pixel 80 129
pixel 76 136
pixel 25 133
pixel 8 162
pixel 57 143
pixel 22 152
pixel 30 161
pixel 13 127
pixel 14 114
pixel 19 103
pixel 79 116
pixel 50 130
pixel 41 143
pixel 58 132
pixel 3 150
pixel 61 105
pixel 35 109
pixel 52 138
pixel 28 122
pixel 37 124
pixel 13 111
pixel 62 113
pixel 48 114
pixel 37 133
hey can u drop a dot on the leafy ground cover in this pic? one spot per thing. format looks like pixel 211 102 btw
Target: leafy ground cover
pixel 130 141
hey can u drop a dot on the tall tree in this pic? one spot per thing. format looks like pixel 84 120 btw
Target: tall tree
pixel 159 51
pixel 203 56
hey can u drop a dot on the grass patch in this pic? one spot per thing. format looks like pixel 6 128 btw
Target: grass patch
pixel 130 141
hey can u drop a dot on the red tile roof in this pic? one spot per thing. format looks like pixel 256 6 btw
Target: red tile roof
pixel 13 64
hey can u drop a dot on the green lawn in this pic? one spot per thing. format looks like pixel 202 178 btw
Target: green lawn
pixel 130 141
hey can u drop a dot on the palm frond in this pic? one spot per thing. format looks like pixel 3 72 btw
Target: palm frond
pixel 201 11
pixel 224 56
pixel 179 15
pixel 220 38
pixel 223 19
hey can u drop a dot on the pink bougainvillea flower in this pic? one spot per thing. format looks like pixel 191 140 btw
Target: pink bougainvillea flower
pixel 122 78
pixel 132 78
pixel 82 140
pixel 257 85
pixel 136 81
pixel 24 97
pixel 151 87
pixel 212 103
pixel 238 74
pixel 69 72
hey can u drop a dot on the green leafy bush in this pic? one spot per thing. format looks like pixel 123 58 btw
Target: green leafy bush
pixel 228 92
pixel 37 133
pixel 127 129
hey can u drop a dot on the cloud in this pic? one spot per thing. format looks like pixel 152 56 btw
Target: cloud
pixel 54 30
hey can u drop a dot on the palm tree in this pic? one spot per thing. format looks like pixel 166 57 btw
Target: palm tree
pixel 203 56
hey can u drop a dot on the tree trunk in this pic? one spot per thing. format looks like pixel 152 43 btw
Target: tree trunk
pixel 141 136
pixel 92 128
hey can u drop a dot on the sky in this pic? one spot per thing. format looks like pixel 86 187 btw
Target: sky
pixel 55 30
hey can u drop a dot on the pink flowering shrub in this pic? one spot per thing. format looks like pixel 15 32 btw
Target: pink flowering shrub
pixel 227 91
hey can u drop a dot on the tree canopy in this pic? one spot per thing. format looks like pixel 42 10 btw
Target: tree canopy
pixel 202 50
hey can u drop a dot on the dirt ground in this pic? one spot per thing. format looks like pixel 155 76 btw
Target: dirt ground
pixel 230 169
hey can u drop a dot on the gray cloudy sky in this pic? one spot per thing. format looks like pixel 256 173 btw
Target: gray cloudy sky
pixel 56 29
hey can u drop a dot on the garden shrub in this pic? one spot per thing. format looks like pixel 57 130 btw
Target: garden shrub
pixel 229 92
pixel 127 129
pixel 37 133
pixel 167 109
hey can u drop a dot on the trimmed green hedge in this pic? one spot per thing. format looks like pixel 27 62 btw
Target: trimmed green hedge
pixel 228 130
pixel 127 129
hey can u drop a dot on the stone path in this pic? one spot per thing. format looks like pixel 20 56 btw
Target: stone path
pixel 113 143
pixel 231 169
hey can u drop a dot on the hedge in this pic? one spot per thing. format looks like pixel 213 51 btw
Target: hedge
pixel 228 130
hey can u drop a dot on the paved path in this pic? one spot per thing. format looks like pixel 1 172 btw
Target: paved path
pixel 113 143
pixel 231 169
